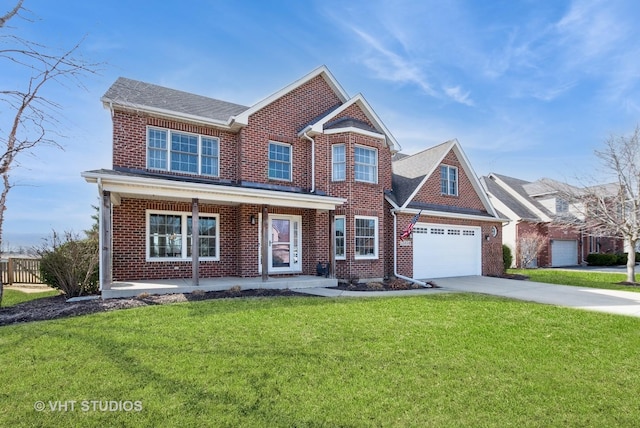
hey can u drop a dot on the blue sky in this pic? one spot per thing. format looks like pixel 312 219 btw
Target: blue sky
pixel 529 88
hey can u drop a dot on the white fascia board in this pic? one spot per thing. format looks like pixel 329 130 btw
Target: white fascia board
pixel 445 214
pixel 175 190
pixel 166 113
pixel 354 130
pixel 521 199
pixel 243 118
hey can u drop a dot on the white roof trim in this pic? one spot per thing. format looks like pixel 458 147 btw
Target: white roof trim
pixel 318 127
pixel 446 214
pixel 243 118
pixel 170 114
pixel 158 188
pixel 520 198
pixel 355 130
pixel 470 173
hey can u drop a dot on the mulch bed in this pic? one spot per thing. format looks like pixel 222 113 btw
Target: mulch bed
pixel 54 307
pixel 386 285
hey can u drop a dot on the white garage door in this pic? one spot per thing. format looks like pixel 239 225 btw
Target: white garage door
pixel 441 250
pixel 564 253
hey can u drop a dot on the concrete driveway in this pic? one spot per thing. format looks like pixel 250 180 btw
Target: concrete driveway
pixel 593 299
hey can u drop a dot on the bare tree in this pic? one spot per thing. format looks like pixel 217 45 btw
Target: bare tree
pixel 32 115
pixel 530 244
pixel 612 209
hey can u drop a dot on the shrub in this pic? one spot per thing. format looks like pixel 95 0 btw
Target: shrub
pixel 70 264
pixel 507 257
pixel 598 259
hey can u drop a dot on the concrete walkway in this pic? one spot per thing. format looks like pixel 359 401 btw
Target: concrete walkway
pixel 593 299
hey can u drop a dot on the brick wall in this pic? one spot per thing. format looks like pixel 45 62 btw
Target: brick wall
pixel 467 196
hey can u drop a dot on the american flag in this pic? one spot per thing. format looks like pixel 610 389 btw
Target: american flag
pixel 407 230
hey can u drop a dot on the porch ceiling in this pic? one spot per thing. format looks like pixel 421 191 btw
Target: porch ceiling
pixel 157 188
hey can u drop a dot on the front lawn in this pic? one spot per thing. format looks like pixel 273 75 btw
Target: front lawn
pixel 605 280
pixel 441 360
pixel 13 297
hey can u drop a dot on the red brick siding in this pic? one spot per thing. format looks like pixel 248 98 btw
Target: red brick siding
pixel 467 197
pixel 130 141
pixel 280 121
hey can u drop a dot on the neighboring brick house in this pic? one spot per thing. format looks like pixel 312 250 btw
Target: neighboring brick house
pixel 300 178
pixel 532 207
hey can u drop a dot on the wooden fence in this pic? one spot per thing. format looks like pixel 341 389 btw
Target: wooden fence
pixel 20 271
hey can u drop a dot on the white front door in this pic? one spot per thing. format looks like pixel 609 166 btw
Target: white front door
pixel 285 243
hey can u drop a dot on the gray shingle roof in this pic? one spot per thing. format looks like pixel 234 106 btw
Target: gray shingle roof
pixel 409 171
pixel 130 92
pixel 506 198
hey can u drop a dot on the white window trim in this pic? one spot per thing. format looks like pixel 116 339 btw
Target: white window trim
pixel 448 181
pixel 333 176
pixel 290 146
pixel 375 150
pixel 373 256
pixel 344 237
pixel 184 228
pixel 168 133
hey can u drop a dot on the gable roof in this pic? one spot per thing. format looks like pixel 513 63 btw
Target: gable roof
pixel 519 196
pixel 129 93
pixel 410 173
pixel 506 199
pixel 242 119
pixel 325 124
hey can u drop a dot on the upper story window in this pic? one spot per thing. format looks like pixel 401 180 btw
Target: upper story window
pixel 562 206
pixel 449 180
pixel 366 164
pixel 338 163
pixel 279 161
pixel 181 152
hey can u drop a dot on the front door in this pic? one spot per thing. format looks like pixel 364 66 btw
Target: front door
pixel 285 243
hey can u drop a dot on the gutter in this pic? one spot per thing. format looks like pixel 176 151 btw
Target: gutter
pixel 100 229
pixel 313 161
pixel 395 253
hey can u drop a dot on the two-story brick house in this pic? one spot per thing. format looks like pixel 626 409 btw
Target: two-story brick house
pixel 303 176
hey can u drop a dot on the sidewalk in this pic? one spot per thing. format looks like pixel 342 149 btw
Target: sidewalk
pixel 593 299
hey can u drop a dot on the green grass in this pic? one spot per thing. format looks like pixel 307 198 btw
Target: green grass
pixel 445 360
pixel 578 278
pixel 13 297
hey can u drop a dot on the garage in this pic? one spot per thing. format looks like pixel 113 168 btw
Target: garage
pixel 441 250
pixel 564 253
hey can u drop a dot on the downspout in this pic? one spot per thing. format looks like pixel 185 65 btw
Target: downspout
pixel 100 226
pixel 313 161
pixel 395 253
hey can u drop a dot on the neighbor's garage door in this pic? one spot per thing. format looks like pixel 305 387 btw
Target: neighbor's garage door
pixel 441 250
pixel 564 253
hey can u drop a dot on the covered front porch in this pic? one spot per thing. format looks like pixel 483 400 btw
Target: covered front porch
pixel 185 285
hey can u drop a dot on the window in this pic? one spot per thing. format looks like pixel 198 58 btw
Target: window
pixel 562 206
pixel 366 164
pixel 339 163
pixel 339 237
pixel 449 180
pixel 366 238
pixel 190 153
pixel 166 232
pixel 279 161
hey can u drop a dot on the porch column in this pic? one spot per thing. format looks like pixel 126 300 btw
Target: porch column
pixel 195 242
pixel 106 275
pixel 264 250
pixel 332 244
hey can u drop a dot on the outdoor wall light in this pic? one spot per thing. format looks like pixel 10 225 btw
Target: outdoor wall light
pixel 486 237
pixel 252 219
